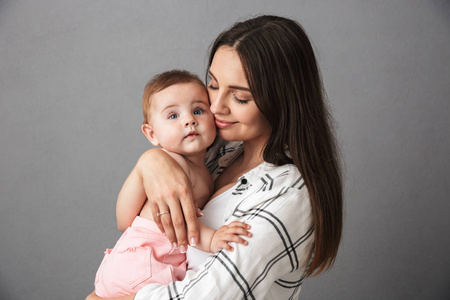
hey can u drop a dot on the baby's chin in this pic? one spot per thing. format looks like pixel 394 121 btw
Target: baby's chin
pixel 190 151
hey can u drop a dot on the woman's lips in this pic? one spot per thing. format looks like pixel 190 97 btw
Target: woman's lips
pixel 224 124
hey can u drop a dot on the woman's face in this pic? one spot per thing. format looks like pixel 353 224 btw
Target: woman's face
pixel 237 116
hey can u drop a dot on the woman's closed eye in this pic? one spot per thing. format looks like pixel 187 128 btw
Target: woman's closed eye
pixel 210 84
pixel 238 100
pixel 212 87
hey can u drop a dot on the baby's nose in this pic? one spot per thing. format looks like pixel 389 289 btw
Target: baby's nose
pixel 191 122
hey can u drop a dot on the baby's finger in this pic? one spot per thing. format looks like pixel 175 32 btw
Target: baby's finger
pixel 239 224
pixel 224 245
pixel 236 239
pixel 239 231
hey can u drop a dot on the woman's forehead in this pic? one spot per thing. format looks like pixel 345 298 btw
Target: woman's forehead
pixel 226 67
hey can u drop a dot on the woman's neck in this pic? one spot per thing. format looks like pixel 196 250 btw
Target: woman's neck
pixel 252 156
pixel 248 160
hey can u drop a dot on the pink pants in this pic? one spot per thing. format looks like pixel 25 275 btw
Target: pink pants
pixel 141 256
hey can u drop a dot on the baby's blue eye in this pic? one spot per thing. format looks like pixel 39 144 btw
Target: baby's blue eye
pixel 173 116
pixel 198 111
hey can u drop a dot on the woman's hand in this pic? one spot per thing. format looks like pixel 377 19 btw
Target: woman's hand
pixel 169 189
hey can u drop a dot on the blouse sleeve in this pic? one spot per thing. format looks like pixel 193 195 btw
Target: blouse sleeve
pixel 280 248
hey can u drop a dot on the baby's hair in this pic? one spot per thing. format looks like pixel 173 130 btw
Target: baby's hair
pixel 162 81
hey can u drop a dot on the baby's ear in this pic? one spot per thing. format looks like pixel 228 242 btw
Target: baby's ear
pixel 147 130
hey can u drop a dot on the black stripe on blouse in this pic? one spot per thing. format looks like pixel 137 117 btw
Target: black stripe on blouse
pixel 239 279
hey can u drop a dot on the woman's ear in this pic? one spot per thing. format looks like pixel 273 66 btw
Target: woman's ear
pixel 147 130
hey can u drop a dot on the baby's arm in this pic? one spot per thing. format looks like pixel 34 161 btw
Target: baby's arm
pixel 215 240
pixel 130 201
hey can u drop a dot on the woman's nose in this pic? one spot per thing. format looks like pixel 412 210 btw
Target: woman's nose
pixel 217 104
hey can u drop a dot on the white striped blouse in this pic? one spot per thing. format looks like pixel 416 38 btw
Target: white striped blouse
pixel 275 202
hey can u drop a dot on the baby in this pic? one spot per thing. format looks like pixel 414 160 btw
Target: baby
pixel 176 118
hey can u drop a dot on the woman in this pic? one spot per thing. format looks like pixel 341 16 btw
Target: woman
pixel 279 172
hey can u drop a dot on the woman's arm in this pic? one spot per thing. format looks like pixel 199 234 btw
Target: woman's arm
pixel 168 188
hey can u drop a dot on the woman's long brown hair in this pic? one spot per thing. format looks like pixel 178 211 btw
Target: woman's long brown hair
pixel 285 81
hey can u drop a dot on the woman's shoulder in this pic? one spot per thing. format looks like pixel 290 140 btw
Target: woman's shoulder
pixel 284 176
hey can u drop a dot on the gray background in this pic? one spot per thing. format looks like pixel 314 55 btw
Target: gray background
pixel 71 78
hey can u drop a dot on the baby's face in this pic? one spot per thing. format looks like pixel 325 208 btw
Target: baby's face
pixel 181 119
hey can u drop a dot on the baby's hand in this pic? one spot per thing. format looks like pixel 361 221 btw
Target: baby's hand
pixel 230 233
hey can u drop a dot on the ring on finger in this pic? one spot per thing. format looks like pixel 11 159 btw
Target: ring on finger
pixel 162 213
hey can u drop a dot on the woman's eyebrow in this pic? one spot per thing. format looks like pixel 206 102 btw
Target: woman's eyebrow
pixel 239 88
pixel 236 87
pixel 212 75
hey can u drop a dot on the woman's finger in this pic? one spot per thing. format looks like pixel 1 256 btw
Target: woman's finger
pixel 155 210
pixel 163 179
pixel 199 213
pixel 166 222
pixel 177 226
pixel 190 216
